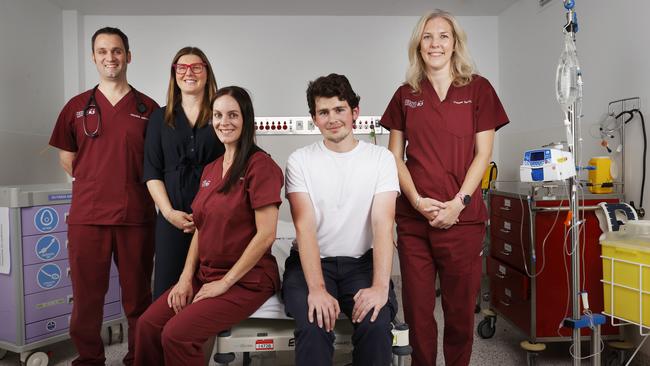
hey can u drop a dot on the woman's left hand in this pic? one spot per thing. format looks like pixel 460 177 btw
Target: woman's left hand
pixel 448 217
pixel 211 289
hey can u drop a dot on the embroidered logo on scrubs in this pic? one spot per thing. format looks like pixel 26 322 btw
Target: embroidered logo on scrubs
pixel 469 101
pixel 90 112
pixel 205 183
pixel 413 104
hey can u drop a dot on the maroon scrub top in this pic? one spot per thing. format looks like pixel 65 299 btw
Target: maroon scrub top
pixel 107 170
pixel 226 221
pixel 441 139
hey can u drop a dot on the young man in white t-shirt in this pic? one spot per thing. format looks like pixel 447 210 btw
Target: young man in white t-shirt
pixel 342 194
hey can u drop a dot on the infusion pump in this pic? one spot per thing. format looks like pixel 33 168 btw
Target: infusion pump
pixel 543 165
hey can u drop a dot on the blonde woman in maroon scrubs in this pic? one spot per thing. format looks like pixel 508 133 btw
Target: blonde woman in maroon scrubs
pixel 229 272
pixel 448 115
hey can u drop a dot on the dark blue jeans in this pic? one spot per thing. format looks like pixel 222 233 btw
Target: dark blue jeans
pixel 344 277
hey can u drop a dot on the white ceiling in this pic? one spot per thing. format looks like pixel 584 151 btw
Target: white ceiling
pixel 283 7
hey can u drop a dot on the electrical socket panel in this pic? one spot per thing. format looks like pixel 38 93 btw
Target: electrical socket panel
pixel 364 125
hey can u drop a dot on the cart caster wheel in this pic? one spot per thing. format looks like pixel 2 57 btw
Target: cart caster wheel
pixel 620 352
pixel 532 351
pixel 115 333
pixel 3 353
pixel 614 359
pixel 487 327
pixel 247 359
pixel 224 358
pixel 37 359
pixel 120 336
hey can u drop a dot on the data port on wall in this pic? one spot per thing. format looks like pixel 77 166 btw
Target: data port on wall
pixel 310 125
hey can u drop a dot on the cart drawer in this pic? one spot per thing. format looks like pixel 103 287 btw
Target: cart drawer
pixel 509 230
pixel 60 325
pixel 46 276
pixel 515 282
pixel 54 303
pixel 515 310
pixel 44 219
pixel 507 252
pixel 50 276
pixel 507 207
pixel 43 248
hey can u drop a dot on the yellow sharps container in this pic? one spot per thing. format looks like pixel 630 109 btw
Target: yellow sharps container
pixel 626 272
pixel 600 178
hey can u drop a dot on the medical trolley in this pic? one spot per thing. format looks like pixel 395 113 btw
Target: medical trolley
pixel 36 304
pixel 527 264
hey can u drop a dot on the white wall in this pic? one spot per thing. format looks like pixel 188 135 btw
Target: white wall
pixel 613 50
pixel 31 86
pixel 275 56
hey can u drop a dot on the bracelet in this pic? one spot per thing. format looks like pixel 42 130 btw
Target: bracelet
pixel 417 202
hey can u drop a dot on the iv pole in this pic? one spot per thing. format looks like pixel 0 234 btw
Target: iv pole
pixel 573 110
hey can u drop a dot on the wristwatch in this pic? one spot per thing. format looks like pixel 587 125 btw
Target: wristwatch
pixel 466 199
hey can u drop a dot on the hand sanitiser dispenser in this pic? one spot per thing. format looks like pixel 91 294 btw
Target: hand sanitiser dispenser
pixel 543 165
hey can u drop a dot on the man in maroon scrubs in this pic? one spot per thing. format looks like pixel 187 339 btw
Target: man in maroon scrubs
pixel 100 134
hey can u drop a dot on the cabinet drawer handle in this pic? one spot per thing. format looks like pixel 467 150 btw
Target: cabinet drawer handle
pixel 500 275
pixel 504 303
pixel 505 231
pixel 505 208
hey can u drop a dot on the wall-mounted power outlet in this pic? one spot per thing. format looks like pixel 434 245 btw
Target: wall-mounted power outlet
pixel 364 125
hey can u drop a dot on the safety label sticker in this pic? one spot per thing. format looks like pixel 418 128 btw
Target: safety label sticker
pixel 49 275
pixel 47 247
pixel 51 325
pixel 264 345
pixel 46 219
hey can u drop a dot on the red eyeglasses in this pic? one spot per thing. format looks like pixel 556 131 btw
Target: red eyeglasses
pixel 196 68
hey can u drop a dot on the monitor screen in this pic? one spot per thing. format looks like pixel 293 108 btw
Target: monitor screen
pixel 537 155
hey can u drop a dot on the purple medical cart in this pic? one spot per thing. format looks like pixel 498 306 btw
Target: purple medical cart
pixel 35 287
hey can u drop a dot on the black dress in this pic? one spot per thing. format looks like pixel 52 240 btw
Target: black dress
pixel 176 156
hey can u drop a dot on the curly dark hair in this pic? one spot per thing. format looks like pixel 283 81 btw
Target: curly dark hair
pixel 332 85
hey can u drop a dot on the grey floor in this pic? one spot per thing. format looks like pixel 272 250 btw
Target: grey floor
pixel 502 349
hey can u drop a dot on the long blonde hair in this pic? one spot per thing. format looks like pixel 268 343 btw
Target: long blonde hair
pixel 462 66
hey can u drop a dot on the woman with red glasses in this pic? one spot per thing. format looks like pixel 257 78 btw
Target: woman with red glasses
pixel 179 143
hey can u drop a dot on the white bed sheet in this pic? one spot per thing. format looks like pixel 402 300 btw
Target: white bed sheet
pixel 273 308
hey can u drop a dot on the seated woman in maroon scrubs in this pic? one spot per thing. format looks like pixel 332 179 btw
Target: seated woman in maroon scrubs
pixel 229 272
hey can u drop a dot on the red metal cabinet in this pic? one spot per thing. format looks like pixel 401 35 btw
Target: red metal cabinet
pixel 530 288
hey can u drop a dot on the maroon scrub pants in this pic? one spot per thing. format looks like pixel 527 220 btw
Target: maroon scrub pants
pixel 166 338
pixel 90 250
pixel 454 255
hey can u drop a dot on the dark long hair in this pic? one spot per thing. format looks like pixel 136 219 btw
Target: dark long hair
pixel 246 146
pixel 174 92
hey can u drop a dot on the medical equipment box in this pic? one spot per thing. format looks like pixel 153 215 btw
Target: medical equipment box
pixel 36 301
pixel 546 165
pixel 626 272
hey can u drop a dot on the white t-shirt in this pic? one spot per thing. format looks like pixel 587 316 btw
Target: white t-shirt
pixel 342 187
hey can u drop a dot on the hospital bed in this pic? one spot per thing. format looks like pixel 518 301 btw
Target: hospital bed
pixel 270 329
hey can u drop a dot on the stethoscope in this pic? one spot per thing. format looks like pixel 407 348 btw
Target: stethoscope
pixel 92 103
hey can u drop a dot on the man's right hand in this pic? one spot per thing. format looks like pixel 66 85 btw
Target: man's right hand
pixel 429 208
pixel 181 220
pixel 324 308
